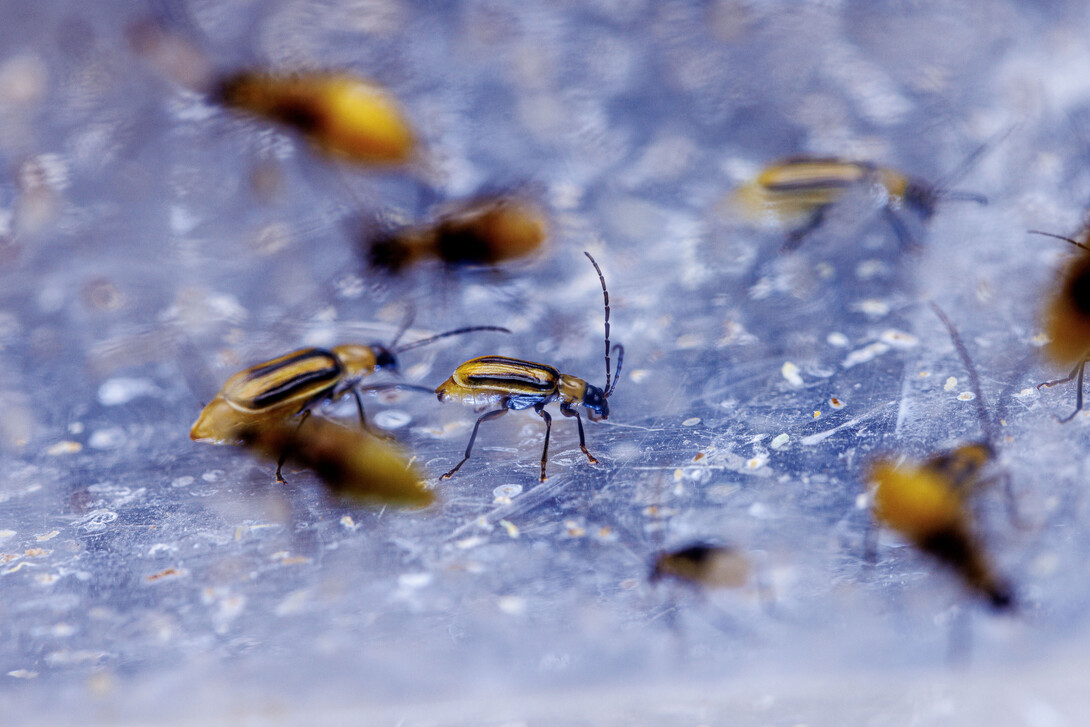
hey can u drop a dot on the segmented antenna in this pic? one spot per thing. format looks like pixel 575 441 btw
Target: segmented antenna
pixel 942 187
pixel 455 332
pixel 410 313
pixel 974 379
pixel 1060 237
pixel 620 358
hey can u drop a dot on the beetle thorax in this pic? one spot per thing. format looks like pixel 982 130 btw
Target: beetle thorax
pixel 357 360
pixel 572 389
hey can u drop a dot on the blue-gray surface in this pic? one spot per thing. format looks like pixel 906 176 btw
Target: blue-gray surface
pixel 145 578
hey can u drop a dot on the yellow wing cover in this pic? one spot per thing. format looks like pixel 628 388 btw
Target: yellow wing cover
pixel 488 379
pixel 271 390
pixel 794 188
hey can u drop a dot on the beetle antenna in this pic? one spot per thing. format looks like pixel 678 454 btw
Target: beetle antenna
pixel 410 314
pixel 455 332
pixel 974 378
pixel 942 187
pixel 957 195
pixel 619 350
pixel 1059 237
pixel 605 297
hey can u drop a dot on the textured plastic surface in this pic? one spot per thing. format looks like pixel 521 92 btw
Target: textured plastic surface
pixel 151 244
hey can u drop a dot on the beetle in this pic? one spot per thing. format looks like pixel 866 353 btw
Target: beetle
pixel 800 190
pixel 486 230
pixel 292 384
pixel 1067 319
pixel 927 502
pixel 923 505
pixel 702 563
pixel 340 114
pixel 352 462
pixel 513 383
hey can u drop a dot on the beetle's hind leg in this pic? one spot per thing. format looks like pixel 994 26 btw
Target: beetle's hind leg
pixel 796 237
pixel 540 409
pixel 569 412
pixel 906 239
pixel 473 437
pixel 303 416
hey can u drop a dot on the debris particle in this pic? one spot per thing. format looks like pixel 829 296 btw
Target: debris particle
pixel 168 573
pixel 780 440
pixel 64 447
pixel 951 384
pixel 791 372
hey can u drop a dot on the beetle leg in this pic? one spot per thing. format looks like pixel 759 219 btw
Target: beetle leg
pixel 900 229
pixel 540 409
pixel 303 416
pixel 569 412
pixel 797 236
pixel 1079 371
pixel 469 449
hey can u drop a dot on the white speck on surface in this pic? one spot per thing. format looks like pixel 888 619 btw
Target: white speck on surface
pixel 872 307
pixel 866 354
pixel 22 673
pixel 110 438
pixel 183 481
pixel 837 339
pixel 512 605
pixel 780 441
pixel 950 384
pixel 414 581
pixel 790 371
pixel 392 419
pixel 691 422
pixel 63 447
pixel 507 491
pixel 898 339
pixel 122 390
pixel 966 396
pixel 511 528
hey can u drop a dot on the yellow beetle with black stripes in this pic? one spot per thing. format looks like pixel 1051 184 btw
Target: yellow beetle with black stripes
pixel 512 383
pixel 291 384
pixel 799 191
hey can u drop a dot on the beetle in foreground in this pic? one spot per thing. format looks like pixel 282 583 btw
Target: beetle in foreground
pixel 352 462
pixel 927 502
pixel 1067 320
pixel 799 191
pixel 488 230
pixel 512 383
pixel 291 384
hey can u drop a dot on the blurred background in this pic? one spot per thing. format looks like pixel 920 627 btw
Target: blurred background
pixel 152 243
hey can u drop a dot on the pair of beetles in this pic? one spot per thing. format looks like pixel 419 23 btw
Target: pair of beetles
pixel 290 386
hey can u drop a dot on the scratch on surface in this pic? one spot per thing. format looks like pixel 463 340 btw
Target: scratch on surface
pixel 822 436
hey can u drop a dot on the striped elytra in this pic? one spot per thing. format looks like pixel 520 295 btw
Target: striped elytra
pixel 297 376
